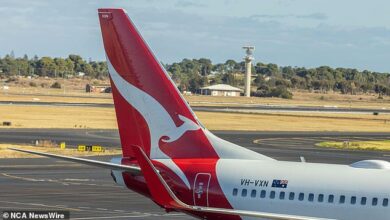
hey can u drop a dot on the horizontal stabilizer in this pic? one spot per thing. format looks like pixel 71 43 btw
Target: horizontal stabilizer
pixel 96 163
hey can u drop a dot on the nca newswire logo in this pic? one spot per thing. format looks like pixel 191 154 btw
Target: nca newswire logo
pixel 35 215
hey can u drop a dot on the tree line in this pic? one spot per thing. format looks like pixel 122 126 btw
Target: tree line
pixel 273 80
pixel 51 67
pixel 193 74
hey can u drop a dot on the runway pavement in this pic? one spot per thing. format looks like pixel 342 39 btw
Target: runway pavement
pixel 280 145
pixel 90 193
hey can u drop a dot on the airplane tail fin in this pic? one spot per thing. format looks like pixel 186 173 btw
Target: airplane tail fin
pixel 150 110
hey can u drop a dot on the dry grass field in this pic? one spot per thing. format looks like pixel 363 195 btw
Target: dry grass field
pixel 58 117
pixel 7 153
pixel 104 118
pixel 73 91
pixel 299 98
pixel 41 84
pixel 357 145
pixel 286 122
pixel 101 118
pixel 91 98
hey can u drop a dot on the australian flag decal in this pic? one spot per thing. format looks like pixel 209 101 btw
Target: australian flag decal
pixel 279 183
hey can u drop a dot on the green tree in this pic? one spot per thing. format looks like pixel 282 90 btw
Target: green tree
pixel 230 65
pixel 205 66
pixel 61 67
pixel 88 69
pixel 69 66
pixel 46 67
pixel 78 62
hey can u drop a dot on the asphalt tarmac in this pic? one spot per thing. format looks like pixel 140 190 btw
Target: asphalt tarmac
pixel 90 193
pixel 87 192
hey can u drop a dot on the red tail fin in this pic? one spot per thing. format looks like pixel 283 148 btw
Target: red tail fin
pixel 150 111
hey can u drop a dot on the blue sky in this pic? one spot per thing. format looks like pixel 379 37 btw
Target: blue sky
pixel 347 33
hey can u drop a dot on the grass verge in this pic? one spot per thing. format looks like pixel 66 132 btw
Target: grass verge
pixel 72 95
pixel 6 153
pixel 357 145
pixel 104 118
pixel 333 100
pixel 270 122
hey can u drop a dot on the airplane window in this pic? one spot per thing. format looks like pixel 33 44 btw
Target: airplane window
pixel 374 201
pixel 282 195
pixel 320 197
pixel 235 191
pixel 262 194
pixel 363 201
pixel 342 200
pixel 253 193
pixel 385 202
pixel 243 193
pixel 292 195
pixel 331 198
pixel 301 196
pixel 311 197
pixel 353 200
pixel 272 195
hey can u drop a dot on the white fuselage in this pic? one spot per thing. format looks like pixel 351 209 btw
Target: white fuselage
pixel 318 190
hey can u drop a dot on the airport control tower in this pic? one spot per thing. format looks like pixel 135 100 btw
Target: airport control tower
pixel 248 68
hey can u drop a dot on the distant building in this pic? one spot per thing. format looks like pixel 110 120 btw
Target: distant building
pixel 98 88
pixel 220 90
pixel 187 93
pixel 267 78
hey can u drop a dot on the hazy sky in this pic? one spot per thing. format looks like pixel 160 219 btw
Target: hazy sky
pixel 347 33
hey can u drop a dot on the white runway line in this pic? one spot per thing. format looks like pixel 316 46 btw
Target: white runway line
pixel 136 215
pixel 37 166
pixel 40 205
pixel 58 181
pixel 80 180
pixel 111 217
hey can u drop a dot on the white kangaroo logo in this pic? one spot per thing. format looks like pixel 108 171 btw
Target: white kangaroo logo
pixel 161 125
